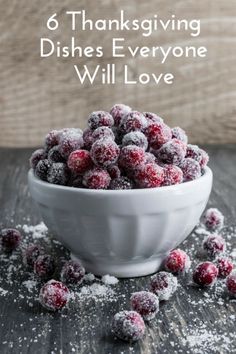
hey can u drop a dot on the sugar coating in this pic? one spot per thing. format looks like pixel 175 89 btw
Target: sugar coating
pixel 72 272
pixel 88 138
pixel 118 111
pixel 52 139
pixel 54 155
pixel 131 156
pixel 231 283
pixel 54 295
pixel 10 239
pixel 121 183
pixel 58 173
pixel 179 133
pixel 190 168
pixel 109 279
pixel 104 152
pixel 158 134
pixel 172 152
pixel 103 132
pixel 133 121
pixel 145 303
pixel 205 274
pixel 149 158
pixel 79 161
pixel 128 325
pixel 69 141
pixel 99 119
pixel 224 265
pixel 30 254
pixel 152 117
pixel 42 169
pixel 135 138
pixel 96 178
pixel 164 285
pixel 36 156
pixel 172 175
pixel 213 245
pixel 149 176
pixel 114 171
pixel 177 261
pixel 213 219
pixel 44 266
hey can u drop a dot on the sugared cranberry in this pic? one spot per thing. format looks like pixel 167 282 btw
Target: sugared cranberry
pixel 213 219
pixel 54 295
pixel 172 175
pixel 30 254
pixel 104 152
pixel 42 169
pixel 72 272
pixel 118 111
pixel 150 158
pixel 204 159
pixel 193 151
pixel 44 266
pixel 121 183
pixel 131 156
pixel 205 274
pixel 190 168
pixel 114 171
pixel 54 155
pixel 152 117
pixel 158 134
pixel 37 156
pixel 79 161
pixel 133 121
pixel 135 138
pixel 10 239
pixel 97 178
pixel 231 283
pixel 103 132
pixel 99 119
pixel 224 265
pixel 145 303
pixel 177 261
pixel 213 245
pixel 58 173
pixel 163 284
pixel 88 138
pixel 149 176
pixel 179 133
pixel 128 325
pixel 70 140
pixel 76 182
pixel 172 152
pixel 52 139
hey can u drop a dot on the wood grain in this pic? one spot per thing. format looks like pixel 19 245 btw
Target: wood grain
pixel 26 328
pixel 38 94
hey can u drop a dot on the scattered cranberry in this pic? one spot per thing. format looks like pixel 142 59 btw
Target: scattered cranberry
pixel 118 111
pixel 191 169
pixel 99 119
pixel 133 121
pixel 158 134
pixel 79 161
pixel 54 155
pixel 10 239
pixel 205 274
pixel 104 152
pixel 54 295
pixel 214 245
pixel 179 133
pixel 37 156
pixel 131 156
pixel 114 171
pixel 145 303
pixel 97 178
pixel 172 175
pixel 163 284
pixel 88 138
pixel 121 183
pixel 72 272
pixel 149 176
pixel 30 254
pixel 172 152
pixel 70 140
pixel 231 283
pixel 213 219
pixel 225 266
pixel 177 261
pixel 52 139
pixel 42 169
pixel 152 117
pixel 103 132
pixel 128 325
pixel 135 138
pixel 58 173
pixel 44 266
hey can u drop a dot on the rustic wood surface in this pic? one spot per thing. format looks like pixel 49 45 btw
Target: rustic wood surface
pixel 37 94
pixel 85 327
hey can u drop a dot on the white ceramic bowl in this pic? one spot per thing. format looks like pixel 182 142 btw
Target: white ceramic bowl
pixel 124 233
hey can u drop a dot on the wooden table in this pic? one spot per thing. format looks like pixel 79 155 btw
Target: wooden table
pixel 182 323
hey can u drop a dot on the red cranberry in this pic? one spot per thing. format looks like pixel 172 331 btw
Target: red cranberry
pixel 97 178
pixel 37 156
pixel 179 133
pixel 58 173
pixel 54 155
pixel 152 117
pixel 121 183
pixel 104 152
pixel 88 138
pixel 145 303
pixel 204 159
pixel 79 161
pixel 231 283
pixel 54 295
pixel 128 325
pixel 30 254
pixel 133 121
pixel 52 139
pixel 99 119
pixel 214 245
pixel 44 266
pixel 131 156
pixel 10 239
pixel 172 152
pixel 118 111
pixel 70 140
pixel 158 134
pixel 42 169
pixel 135 138
pixel 172 175
pixel 213 219
pixel 205 274
pixel 72 272
pixel 194 152
pixel 103 132
pixel 225 266
pixel 177 261
pixel 149 158
pixel 114 171
pixel 191 169
pixel 149 176
pixel 163 284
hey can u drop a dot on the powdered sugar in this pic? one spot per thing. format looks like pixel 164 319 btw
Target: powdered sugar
pixel 109 279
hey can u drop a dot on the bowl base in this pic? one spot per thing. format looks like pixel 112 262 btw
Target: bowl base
pixel 122 270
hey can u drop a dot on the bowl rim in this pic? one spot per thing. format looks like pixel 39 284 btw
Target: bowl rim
pixel 173 188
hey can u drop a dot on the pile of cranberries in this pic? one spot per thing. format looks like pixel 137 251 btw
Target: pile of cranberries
pixel 123 149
